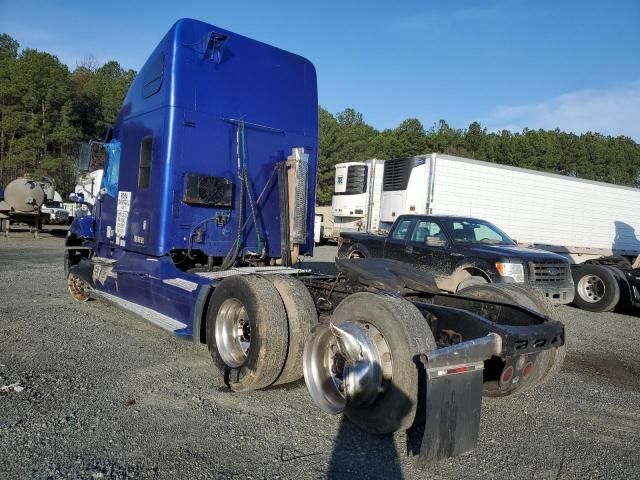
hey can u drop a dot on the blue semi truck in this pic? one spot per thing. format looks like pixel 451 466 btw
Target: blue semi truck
pixel 205 207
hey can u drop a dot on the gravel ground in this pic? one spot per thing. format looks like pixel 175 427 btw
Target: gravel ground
pixel 107 395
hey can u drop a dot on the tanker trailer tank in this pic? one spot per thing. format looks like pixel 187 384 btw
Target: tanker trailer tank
pixel 23 198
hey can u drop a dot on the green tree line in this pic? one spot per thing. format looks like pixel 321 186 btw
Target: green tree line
pixel 46 110
pixel 346 137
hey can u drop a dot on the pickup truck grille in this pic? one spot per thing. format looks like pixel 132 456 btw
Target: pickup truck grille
pixel 549 272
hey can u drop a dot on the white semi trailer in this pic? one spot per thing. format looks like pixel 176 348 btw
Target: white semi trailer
pixel 581 219
pixel 357 195
pixel 584 220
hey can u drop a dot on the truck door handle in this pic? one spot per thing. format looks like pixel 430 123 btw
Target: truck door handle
pixel 408 249
pixel 456 254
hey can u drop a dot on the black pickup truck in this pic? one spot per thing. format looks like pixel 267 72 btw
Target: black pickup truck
pixel 461 252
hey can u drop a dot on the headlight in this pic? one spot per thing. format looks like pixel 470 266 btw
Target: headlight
pixel 514 271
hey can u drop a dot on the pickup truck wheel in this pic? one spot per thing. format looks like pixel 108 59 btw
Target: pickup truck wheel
pixel 547 363
pixel 363 363
pixel 356 251
pixel 471 281
pixel 597 289
pixel 247 332
pixel 301 318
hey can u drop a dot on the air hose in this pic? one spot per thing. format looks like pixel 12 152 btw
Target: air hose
pixel 243 176
pixel 252 205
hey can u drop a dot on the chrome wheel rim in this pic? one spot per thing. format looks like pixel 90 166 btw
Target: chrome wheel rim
pixel 591 288
pixel 349 365
pixel 233 332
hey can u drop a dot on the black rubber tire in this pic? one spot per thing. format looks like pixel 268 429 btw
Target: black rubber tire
pixel 301 318
pixel 549 362
pixel 269 332
pixel 361 250
pixel 612 289
pixel 408 335
pixel 471 281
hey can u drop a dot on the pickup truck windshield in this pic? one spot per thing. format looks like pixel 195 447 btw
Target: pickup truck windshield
pixel 468 231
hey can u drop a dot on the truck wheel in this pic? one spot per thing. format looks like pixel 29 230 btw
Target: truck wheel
pixel 301 317
pixel 356 251
pixel 247 332
pixel 364 362
pixel 471 281
pixel 77 288
pixel 597 288
pixel 548 362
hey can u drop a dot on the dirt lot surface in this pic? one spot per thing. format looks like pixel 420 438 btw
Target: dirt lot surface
pixel 106 395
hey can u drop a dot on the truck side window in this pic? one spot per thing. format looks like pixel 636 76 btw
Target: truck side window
pixel 400 232
pixel 427 232
pixel 483 232
pixel 425 229
pixel 144 167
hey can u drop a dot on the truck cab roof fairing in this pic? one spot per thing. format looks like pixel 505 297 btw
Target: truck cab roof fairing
pixel 198 82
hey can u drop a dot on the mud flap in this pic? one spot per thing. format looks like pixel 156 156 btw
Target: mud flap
pixel 453 397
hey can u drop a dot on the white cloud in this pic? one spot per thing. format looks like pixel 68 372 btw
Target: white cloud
pixel 613 111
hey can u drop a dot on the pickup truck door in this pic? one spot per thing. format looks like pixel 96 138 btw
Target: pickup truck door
pixel 396 247
pixel 429 246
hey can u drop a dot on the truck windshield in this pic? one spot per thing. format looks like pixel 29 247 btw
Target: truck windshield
pixel 469 231
pixel 53 204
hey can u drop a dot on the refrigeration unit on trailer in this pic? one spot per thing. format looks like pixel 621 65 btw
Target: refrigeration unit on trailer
pixel 207 202
pixel 356 196
pixel 580 219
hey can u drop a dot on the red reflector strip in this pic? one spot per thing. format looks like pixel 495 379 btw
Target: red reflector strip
pixel 469 367
pixel 457 370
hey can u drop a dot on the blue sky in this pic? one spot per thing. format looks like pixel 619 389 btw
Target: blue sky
pixel 573 65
